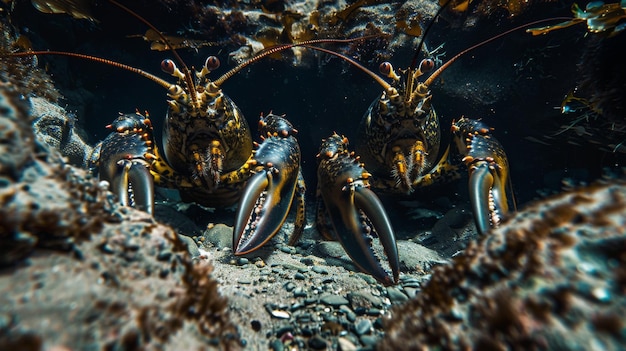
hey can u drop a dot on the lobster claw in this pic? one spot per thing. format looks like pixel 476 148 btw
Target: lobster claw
pixel 124 161
pixel 269 193
pixel 135 175
pixel 356 215
pixel 262 210
pixel 487 194
pixel 488 171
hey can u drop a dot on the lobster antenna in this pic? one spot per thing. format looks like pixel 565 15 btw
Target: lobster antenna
pixel 159 81
pixel 375 76
pixel 185 70
pixel 278 48
pixel 439 70
pixel 421 44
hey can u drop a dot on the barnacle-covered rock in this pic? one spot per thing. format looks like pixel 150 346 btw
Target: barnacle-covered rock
pixel 79 272
pixel 552 277
pixel 57 128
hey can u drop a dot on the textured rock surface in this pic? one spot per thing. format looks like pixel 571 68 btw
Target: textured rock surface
pixel 551 278
pixel 79 272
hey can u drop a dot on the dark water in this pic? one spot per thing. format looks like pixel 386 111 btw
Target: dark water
pixel 514 84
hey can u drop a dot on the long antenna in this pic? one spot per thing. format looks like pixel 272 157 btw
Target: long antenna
pixel 278 48
pixel 421 44
pixel 185 70
pixel 439 70
pixel 159 81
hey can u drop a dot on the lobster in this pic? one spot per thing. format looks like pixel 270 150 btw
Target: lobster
pixel 207 150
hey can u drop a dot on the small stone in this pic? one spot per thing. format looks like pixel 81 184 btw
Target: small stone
pixel 299 276
pixel 299 292
pixel 284 330
pixel 280 314
pixel 296 306
pixel 307 261
pixel 256 325
pixel 373 312
pixel 319 270
pixel 411 292
pixel 395 295
pixel 242 261
pixel 318 343
pixel 363 326
pixel 105 248
pixel 290 266
pixel 346 345
pixel 287 249
pixel 289 286
pixel 164 255
pixel 334 300
pixel 368 278
pixel 277 345
pixel 310 301
pixel 368 340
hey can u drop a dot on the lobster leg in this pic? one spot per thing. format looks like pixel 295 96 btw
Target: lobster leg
pixel 300 204
pixel 488 169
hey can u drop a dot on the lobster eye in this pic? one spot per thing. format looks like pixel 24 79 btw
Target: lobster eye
pixel 212 63
pixel 427 65
pixel 168 66
pixel 385 68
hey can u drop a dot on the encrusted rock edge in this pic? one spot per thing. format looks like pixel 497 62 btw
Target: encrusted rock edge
pixel 551 277
pixel 131 281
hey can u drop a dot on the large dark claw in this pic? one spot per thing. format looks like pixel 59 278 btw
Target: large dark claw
pixel 135 176
pixel 124 161
pixel 488 172
pixel 262 210
pixel 268 195
pixel 356 214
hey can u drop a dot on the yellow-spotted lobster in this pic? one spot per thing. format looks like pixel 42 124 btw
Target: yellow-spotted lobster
pixel 208 153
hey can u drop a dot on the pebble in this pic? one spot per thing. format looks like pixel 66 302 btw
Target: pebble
pixel 299 292
pixel 299 276
pixel 363 326
pixel 277 345
pixel 364 299
pixel 334 300
pixel 289 286
pixel 292 267
pixel 346 345
pixel 307 261
pixel 280 314
pixel 317 343
pixel 221 236
pixel 164 255
pixel 411 292
pixel 368 340
pixel 350 315
pixel 319 270
pixel 395 295
pixel 288 249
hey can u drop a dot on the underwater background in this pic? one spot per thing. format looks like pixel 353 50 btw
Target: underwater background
pixel 516 84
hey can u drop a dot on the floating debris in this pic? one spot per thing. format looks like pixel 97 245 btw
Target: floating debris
pixel 80 9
